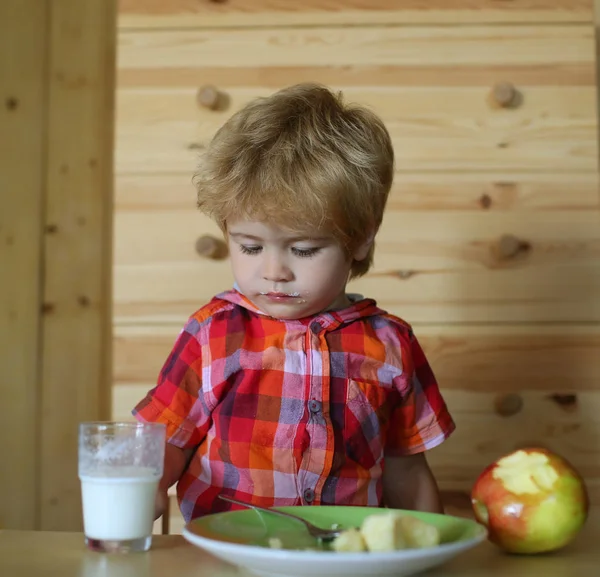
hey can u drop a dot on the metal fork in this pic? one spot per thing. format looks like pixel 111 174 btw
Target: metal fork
pixel 324 535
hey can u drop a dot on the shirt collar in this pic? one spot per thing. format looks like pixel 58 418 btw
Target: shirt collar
pixel 360 307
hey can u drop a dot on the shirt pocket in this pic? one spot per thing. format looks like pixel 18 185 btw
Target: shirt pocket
pixel 366 416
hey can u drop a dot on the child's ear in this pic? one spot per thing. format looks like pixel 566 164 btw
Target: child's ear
pixel 362 250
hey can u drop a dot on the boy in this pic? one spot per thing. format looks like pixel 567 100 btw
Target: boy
pixel 286 390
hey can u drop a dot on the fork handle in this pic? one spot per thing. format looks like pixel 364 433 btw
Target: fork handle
pixel 264 509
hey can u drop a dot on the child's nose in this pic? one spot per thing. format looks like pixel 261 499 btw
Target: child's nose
pixel 276 270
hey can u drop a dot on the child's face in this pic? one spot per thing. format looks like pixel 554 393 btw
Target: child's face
pixel 285 274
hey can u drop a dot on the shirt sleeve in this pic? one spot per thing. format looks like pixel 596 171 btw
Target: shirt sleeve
pixel 421 420
pixel 178 400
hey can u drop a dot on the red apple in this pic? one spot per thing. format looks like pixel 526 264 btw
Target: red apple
pixel 531 501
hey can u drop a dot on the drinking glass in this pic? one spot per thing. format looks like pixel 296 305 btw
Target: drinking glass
pixel 120 465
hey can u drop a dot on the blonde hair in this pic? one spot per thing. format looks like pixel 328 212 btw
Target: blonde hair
pixel 301 158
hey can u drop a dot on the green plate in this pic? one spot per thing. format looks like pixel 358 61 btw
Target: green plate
pixel 251 527
pixel 242 538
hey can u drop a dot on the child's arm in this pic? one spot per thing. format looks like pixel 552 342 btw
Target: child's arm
pixel 176 460
pixel 408 483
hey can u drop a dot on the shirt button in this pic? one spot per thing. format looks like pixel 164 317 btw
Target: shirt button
pixel 316 327
pixel 314 406
pixel 309 495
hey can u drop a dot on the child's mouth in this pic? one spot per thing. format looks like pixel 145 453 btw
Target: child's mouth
pixel 276 296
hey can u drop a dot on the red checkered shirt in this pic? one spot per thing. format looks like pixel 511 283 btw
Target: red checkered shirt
pixel 291 412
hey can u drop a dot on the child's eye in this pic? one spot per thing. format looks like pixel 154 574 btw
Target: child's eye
pixel 250 249
pixel 305 252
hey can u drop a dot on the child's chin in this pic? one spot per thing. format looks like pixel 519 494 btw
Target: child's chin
pixel 287 311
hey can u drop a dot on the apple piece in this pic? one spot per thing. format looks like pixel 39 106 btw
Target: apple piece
pixel 531 500
pixel 383 532
pixel 350 540
pixel 419 534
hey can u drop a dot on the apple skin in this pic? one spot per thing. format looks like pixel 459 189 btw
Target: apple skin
pixel 530 523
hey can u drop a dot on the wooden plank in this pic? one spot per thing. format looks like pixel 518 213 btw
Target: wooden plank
pixel 596 7
pixel 566 293
pixel 482 436
pixel 554 370
pixel 358 46
pixel 421 191
pixel 76 349
pixel 425 270
pixel 165 294
pixel 572 430
pixel 411 239
pixel 433 128
pixel 22 69
pixel 545 359
pixel 245 13
pixel 423 74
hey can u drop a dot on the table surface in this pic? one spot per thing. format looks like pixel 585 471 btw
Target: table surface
pixel 60 554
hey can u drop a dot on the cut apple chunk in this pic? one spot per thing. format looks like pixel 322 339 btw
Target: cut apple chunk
pixel 350 541
pixel 389 531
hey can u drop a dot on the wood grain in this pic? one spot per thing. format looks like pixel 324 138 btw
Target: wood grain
pixel 463 243
pixel 574 433
pixel 465 191
pixel 544 359
pixel 564 294
pixel 467 174
pixel 76 335
pixel 22 31
pixel 65 553
pixel 245 13
pixel 482 436
pixel 524 45
pixel 422 74
pixel 440 115
pixel 428 273
pixel 439 129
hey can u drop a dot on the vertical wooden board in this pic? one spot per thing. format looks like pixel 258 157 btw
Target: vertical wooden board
pixel 22 45
pixel 597 53
pixel 22 49
pixel 77 292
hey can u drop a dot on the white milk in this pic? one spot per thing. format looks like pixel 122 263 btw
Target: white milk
pixel 118 503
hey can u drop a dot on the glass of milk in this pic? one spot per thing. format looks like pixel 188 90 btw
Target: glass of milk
pixel 120 465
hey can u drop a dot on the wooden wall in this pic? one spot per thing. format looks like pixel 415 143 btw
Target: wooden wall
pixel 57 62
pixel 491 243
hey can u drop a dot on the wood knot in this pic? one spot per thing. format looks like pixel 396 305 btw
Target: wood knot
pixel 508 405
pixel 83 301
pixel 11 103
pixel 565 402
pixel 209 97
pixel 47 308
pixel 405 274
pixel 485 201
pixel 509 246
pixel 211 247
pixel 505 95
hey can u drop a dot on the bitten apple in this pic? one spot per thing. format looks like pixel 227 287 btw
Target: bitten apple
pixel 531 501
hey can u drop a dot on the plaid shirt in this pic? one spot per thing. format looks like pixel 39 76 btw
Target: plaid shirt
pixel 291 412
